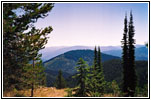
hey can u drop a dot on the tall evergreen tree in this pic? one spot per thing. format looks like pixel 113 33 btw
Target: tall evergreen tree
pixel 15 53
pixel 35 39
pixel 125 57
pixel 60 81
pixel 99 74
pixel 95 58
pixel 92 81
pixel 34 76
pixel 129 74
pixel 99 64
pixel 131 56
pixel 81 76
pixel 96 81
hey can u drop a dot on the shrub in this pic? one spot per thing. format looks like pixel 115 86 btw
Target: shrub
pixel 95 94
pixel 69 92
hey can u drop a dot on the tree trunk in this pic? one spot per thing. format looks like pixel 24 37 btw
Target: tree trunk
pixel 32 87
pixel 32 90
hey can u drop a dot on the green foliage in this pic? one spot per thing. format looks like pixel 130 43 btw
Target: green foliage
pixel 129 74
pixel 81 76
pixel 17 44
pixel 34 74
pixel 132 78
pixel 145 90
pixel 67 62
pixel 69 92
pixel 125 57
pixel 35 41
pixel 115 88
pixel 60 81
pixel 113 71
pixel 95 94
pixel 96 80
pixel 95 64
pixel 100 73
pixel 142 91
pixel 51 77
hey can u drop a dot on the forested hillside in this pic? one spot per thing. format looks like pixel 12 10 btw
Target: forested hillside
pixel 112 67
pixel 113 71
pixel 67 61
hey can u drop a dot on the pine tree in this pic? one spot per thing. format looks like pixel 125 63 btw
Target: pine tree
pixel 115 88
pixel 81 76
pixel 99 60
pixel 34 76
pixel 92 81
pixel 15 48
pixel 131 56
pixel 35 39
pixel 129 74
pixel 99 74
pixel 95 58
pixel 96 80
pixel 60 81
pixel 94 71
pixel 125 57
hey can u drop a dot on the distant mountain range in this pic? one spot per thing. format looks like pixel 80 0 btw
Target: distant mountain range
pixel 50 52
pixel 141 53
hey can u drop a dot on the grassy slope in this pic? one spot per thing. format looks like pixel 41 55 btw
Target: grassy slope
pixel 40 92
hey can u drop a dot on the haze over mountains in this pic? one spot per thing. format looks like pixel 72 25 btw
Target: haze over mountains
pixel 141 53
pixel 50 52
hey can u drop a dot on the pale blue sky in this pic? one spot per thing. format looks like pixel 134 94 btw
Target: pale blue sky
pixel 91 24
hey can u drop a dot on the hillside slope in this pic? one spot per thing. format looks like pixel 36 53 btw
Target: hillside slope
pixel 67 61
pixel 112 67
pixel 50 52
pixel 113 71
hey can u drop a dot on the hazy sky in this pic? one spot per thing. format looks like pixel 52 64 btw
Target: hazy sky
pixel 92 24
